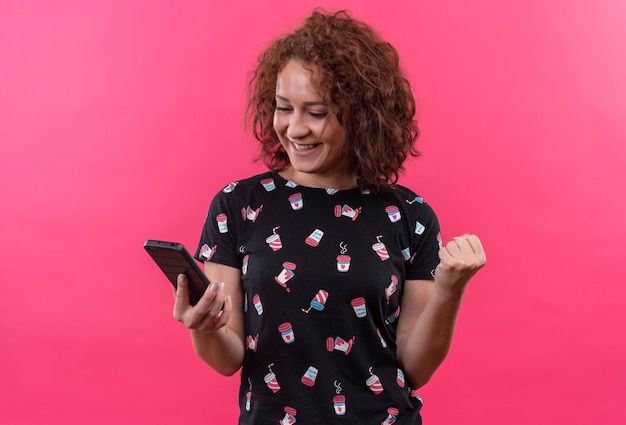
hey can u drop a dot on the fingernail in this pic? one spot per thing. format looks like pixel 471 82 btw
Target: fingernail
pixel 213 287
pixel 221 287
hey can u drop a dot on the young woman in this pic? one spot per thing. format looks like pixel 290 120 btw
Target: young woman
pixel 334 294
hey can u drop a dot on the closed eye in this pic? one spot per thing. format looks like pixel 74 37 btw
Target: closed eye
pixel 318 115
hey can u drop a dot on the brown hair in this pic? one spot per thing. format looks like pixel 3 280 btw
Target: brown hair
pixel 361 76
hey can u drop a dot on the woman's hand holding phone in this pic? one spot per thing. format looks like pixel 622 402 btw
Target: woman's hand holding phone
pixel 211 312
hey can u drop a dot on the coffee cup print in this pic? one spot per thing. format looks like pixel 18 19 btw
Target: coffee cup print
pixel 391 417
pixel 382 340
pixel 400 378
pixel 222 223
pixel 291 184
pixel 314 238
pixel 206 252
pixel 419 228
pixel 274 241
pixel 249 213
pixel 285 275
pixel 393 317
pixel 406 254
pixel 244 264
pixel 268 184
pixel 248 400
pixel 393 213
pixel 309 376
pixel 416 396
pixel 347 211
pixel 339 403
pixel 374 384
pixel 343 263
pixel 417 199
pixel 380 249
pixel 286 331
pixel 290 416
pixel 358 304
pixel 391 289
pixel 271 381
pixel 230 187
pixel 296 202
pixel 256 300
pixel 340 344
pixel 318 302
pixel 252 342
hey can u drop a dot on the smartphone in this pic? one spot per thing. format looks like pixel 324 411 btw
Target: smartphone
pixel 174 259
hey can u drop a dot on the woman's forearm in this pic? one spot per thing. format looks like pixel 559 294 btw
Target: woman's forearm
pixel 426 345
pixel 222 350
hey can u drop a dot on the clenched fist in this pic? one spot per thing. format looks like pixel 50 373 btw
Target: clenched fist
pixel 459 259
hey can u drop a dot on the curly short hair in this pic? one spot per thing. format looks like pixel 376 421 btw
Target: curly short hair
pixel 361 76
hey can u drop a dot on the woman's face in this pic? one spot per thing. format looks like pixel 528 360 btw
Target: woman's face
pixel 308 129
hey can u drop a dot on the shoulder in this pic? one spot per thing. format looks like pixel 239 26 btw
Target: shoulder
pixel 251 182
pixel 404 195
pixel 411 201
pixel 246 187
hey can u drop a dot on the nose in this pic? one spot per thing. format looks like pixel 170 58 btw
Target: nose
pixel 297 128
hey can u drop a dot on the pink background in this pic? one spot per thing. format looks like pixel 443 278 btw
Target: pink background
pixel 120 119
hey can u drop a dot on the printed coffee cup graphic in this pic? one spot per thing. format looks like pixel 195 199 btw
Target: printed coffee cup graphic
pixel 252 342
pixel 340 344
pixel 373 382
pixel 380 249
pixel 256 300
pixel 400 378
pixel 268 184
pixel 285 275
pixel 248 399
pixel 271 381
pixel 286 331
pixel 309 376
pixel 230 187
pixel 393 213
pixel 222 223
pixel 339 402
pixel 419 228
pixel 391 289
pixel 207 252
pixel 290 416
pixel 358 304
pixel 382 340
pixel 244 264
pixel 391 418
pixel 274 241
pixel 347 211
pixel 318 302
pixel 314 238
pixel 406 254
pixel 343 263
pixel 296 201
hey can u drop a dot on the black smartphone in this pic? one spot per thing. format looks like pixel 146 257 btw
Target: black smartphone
pixel 174 259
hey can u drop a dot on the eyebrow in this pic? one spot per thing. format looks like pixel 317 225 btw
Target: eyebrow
pixel 318 102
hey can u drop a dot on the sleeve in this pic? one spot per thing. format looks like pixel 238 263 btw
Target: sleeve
pixel 218 240
pixel 425 243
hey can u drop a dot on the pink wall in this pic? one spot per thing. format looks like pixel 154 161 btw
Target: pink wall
pixel 119 120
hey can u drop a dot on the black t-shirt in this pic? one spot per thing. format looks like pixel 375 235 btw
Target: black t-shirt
pixel 323 273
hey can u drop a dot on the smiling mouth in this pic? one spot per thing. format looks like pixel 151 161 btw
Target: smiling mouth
pixel 304 148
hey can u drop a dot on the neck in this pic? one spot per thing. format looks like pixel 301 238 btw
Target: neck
pixel 341 182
